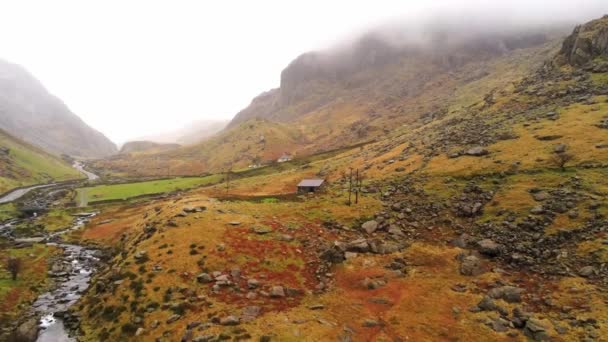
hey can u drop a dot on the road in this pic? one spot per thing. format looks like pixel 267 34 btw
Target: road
pixel 80 167
pixel 18 193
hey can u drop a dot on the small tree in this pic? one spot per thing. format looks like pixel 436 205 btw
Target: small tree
pixel 13 265
pixel 561 159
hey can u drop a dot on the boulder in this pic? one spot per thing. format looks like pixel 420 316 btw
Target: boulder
pixel 470 266
pixel 253 283
pixel 27 331
pixel 536 330
pixel 204 278
pixel 277 292
pixel 560 148
pixel 490 248
pixel 262 230
pixel 358 246
pixel 586 271
pixel 370 226
pixel 173 319
pixel 250 313
pixel 333 255
pixel 477 151
pixel 509 294
pixel 229 321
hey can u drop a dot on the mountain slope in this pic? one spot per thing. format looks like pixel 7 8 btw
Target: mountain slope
pixel 330 104
pixel 22 164
pixel 29 112
pixel 468 227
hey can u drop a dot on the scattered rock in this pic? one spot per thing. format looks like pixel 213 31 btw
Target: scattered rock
pixel 586 271
pixel 509 294
pixel 489 247
pixel 250 313
pixel 277 292
pixel 370 323
pixel 229 321
pixel 253 283
pixel 372 284
pixel 560 148
pixel 370 226
pixel 262 230
pixel 27 331
pixel 499 325
pixel 535 329
pixel 470 266
pixel 204 278
pixel 477 151
pixel 541 196
pixel 173 319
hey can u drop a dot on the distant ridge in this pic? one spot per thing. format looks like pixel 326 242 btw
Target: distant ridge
pixel 29 112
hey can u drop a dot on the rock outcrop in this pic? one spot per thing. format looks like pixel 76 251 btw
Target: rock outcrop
pixel 586 43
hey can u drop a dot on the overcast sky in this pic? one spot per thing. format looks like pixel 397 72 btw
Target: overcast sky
pixel 132 68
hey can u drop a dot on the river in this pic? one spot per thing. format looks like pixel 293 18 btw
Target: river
pixel 71 272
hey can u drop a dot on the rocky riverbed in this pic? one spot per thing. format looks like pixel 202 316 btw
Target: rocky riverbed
pixel 70 273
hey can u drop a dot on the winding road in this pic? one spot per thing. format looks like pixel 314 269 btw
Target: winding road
pixel 18 193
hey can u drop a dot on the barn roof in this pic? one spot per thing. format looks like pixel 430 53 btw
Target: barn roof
pixel 311 182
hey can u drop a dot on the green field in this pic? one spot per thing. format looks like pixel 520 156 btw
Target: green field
pixel 27 165
pixel 130 190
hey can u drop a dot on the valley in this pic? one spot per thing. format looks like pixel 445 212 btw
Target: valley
pixel 464 198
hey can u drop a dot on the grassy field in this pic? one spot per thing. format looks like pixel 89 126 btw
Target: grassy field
pixel 30 281
pixel 130 190
pixel 7 211
pixel 27 165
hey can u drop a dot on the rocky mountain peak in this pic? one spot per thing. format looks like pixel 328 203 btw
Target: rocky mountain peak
pixel 586 43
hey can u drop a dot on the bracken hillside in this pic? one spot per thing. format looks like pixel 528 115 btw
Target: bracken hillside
pixel 482 214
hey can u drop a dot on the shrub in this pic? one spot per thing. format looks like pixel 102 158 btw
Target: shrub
pixel 128 328
pixel 13 265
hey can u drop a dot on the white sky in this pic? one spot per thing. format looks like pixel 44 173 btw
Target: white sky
pixel 132 68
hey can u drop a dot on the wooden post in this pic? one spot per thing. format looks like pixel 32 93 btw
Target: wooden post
pixel 350 186
pixel 357 188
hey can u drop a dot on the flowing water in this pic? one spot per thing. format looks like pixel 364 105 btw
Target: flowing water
pixel 71 272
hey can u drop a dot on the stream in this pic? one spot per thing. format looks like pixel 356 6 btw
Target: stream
pixel 71 272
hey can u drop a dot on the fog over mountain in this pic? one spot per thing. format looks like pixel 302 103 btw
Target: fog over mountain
pixel 151 78
pixel 29 112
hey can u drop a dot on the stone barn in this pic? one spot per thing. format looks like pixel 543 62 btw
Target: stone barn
pixel 310 185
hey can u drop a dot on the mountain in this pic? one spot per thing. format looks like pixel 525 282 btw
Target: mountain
pixel 358 93
pixel 486 220
pixel 145 146
pixel 28 111
pixel 23 164
pixel 190 134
